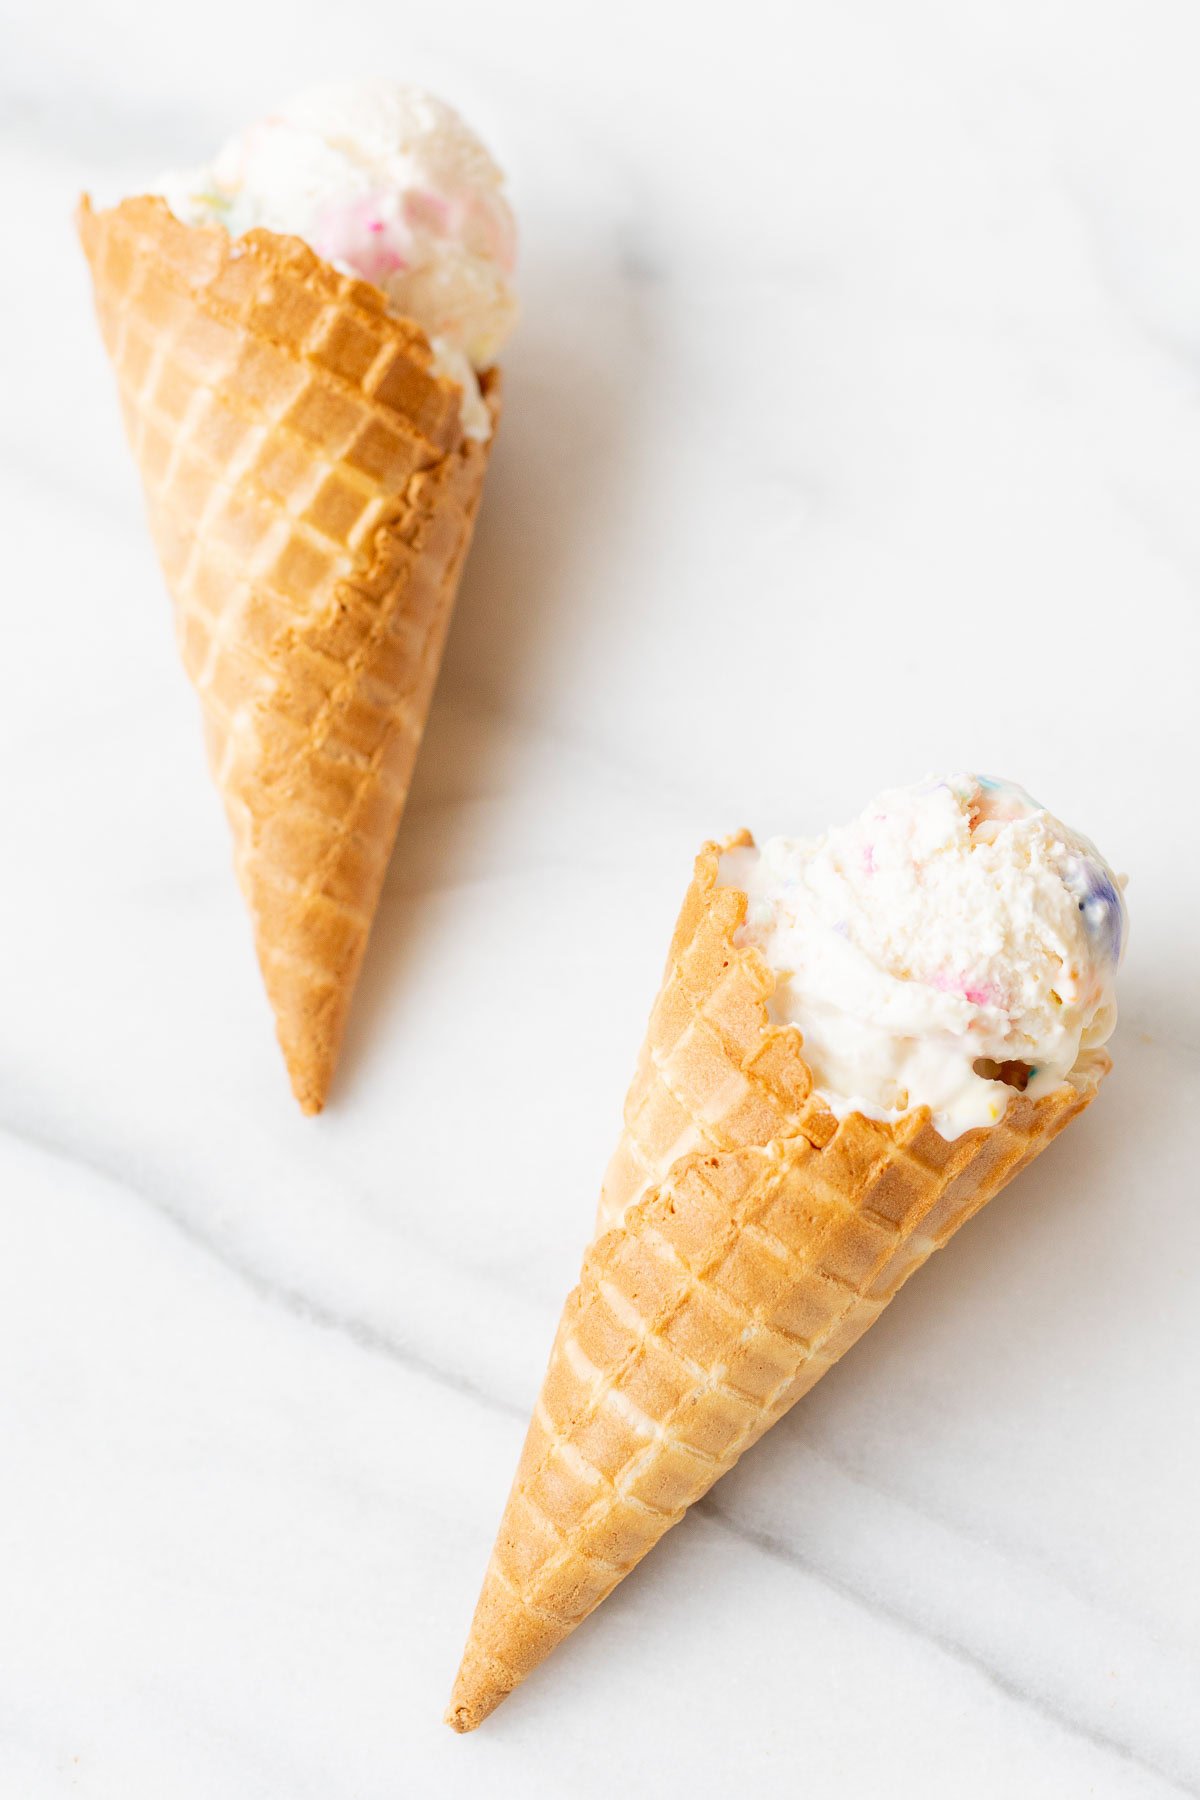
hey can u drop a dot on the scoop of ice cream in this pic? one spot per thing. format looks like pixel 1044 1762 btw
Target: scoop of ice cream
pixel 955 942
pixel 387 183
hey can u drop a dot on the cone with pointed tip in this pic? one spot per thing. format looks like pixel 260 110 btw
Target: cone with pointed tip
pixel 311 496
pixel 747 1238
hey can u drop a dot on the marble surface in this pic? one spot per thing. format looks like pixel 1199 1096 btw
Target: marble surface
pixel 853 430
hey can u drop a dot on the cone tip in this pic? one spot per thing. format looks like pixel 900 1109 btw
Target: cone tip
pixel 310 1071
pixel 476 1694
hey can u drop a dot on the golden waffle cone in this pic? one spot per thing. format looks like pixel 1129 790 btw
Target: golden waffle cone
pixel 311 496
pixel 762 1239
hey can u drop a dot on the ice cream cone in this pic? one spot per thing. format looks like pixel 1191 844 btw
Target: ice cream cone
pixel 747 1239
pixel 311 496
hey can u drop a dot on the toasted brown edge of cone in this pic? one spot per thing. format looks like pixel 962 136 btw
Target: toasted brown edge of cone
pixel 478 1690
pixel 352 290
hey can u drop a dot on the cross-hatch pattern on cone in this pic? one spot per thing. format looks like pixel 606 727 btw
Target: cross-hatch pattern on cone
pixel 747 1239
pixel 312 498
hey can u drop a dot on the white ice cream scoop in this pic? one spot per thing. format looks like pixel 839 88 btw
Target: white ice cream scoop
pixel 388 183
pixel 953 942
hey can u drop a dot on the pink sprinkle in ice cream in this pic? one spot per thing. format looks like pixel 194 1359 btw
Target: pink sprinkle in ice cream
pixel 978 993
pixel 365 234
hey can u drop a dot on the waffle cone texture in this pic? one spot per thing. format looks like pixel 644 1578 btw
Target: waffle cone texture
pixel 311 497
pixel 746 1239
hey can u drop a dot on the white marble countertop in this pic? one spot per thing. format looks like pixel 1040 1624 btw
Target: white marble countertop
pixel 853 430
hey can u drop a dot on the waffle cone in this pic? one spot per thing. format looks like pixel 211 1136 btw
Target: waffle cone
pixel 747 1239
pixel 311 496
